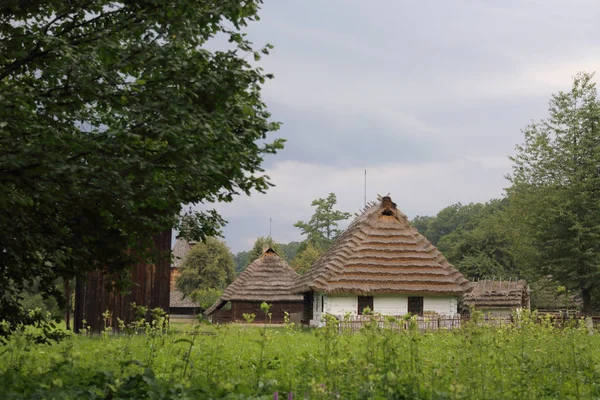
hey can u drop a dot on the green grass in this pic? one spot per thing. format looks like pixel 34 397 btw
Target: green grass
pixel 239 362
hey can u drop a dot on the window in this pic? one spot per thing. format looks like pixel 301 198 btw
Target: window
pixel 322 303
pixel 365 302
pixel 415 305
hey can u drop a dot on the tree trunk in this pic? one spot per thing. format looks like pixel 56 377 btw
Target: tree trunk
pixel 68 305
pixel 586 295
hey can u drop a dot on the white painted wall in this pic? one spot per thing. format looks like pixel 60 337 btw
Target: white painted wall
pixel 340 305
pixel 386 304
pixel 390 304
pixel 441 305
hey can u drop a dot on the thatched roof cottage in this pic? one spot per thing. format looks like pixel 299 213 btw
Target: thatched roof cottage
pixel 178 304
pixel 268 279
pixel 498 298
pixel 383 263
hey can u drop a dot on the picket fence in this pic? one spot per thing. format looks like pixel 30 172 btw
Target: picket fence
pixel 446 322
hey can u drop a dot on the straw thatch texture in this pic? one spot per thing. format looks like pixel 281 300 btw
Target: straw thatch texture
pixel 177 301
pixel 497 294
pixel 269 278
pixel 381 252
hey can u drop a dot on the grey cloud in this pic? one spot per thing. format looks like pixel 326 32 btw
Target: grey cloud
pixel 430 96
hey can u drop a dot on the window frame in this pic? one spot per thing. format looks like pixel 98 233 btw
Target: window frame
pixel 367 301
pixel 420 300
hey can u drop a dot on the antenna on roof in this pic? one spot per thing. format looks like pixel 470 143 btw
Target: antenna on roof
pixel 270 226
pixel 365 187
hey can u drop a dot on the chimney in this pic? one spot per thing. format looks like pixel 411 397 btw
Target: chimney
pixel 386 202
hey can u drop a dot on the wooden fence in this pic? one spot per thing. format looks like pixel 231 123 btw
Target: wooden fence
pixel 446 322
pixel 355 323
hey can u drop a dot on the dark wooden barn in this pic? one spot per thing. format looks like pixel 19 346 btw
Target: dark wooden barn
pixel 150 288
pixel 268 279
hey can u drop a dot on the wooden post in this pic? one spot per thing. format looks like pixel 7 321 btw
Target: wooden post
pixel 79 298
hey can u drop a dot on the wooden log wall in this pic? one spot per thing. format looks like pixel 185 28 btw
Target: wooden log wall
pixel 150 288
pixel 238 309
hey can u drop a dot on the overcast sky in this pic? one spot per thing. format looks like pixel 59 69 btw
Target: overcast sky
pixel 428 96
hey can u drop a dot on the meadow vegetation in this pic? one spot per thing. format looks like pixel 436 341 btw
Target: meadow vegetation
pixel 524 361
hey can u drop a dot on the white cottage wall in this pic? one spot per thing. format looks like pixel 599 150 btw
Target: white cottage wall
pixel 441 305
pixel 340 305
pixel 390 304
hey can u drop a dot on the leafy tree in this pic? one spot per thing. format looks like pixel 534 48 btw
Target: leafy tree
pixel 241 259
pixel 208 265
pixel 422 222
pixel 258 249
pixel 475 238
pixel 322 228
pixel 556 188
pixel 289 250
pixel 112 115
pixel 447 220
pixel 306 258
pixel 206 297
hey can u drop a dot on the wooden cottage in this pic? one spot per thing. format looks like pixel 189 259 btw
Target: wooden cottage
pixel 382 263
pixel 497 298
pixel 268 279
pixel 178 304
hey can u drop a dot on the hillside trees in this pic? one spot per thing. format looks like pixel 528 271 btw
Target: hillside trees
pixel 321 230
pixel 107 108
pixel 556 188
pixel 208 266
pixel 476 238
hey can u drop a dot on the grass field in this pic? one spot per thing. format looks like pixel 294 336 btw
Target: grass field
pixel 240 362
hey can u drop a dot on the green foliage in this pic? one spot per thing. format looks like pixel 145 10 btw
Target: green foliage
pixel 208 265
pixel 548 295
pixel 290 250
pixel 206 297
pixel 556 176
pixel 113 114
pixel 475 238
pixel 524 361
pixel 306 258
pixel 322 228
pixel 241 259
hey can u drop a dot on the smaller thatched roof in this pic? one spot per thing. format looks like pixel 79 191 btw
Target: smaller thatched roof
pixel 269 278
pixel 497 294
pixel 176 300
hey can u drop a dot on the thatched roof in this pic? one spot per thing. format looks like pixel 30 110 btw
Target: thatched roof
pixel 381 252
pixel 176 300
pixel 269 278
pixel 181 248
pixel 497 294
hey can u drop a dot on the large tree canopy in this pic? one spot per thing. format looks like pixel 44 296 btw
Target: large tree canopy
pixel 556 188
pixel 474 237
pixel 208 265
pixel 112 115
